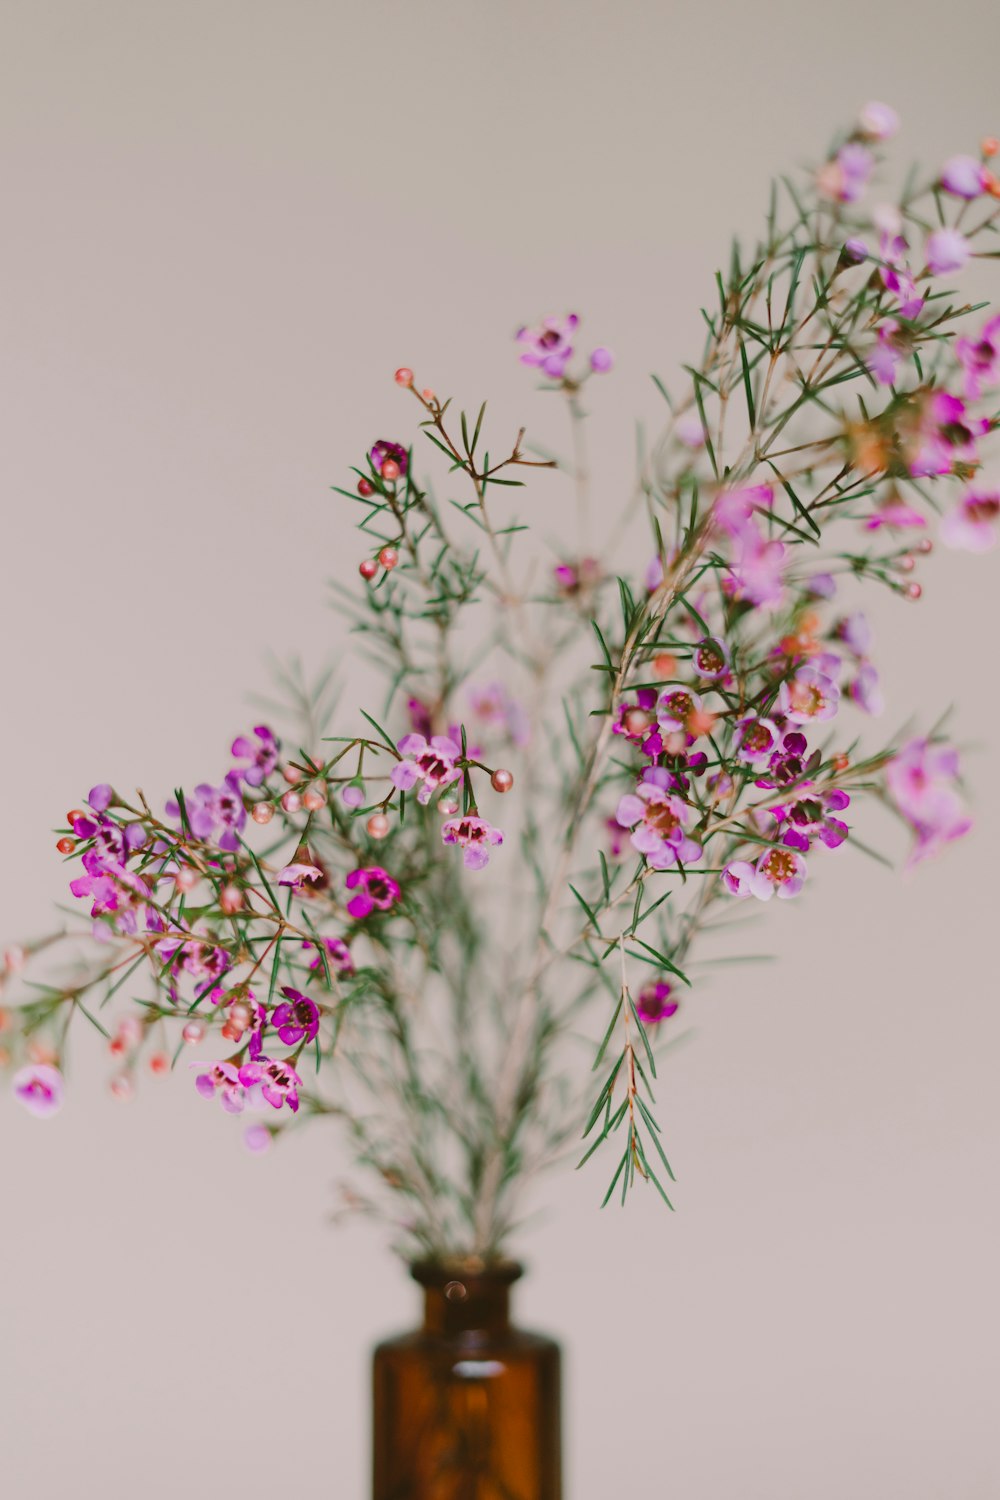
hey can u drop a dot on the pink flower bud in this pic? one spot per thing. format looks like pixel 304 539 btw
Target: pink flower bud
pixel 291 802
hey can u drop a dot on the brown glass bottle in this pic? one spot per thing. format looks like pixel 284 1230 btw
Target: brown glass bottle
pixel 467 1407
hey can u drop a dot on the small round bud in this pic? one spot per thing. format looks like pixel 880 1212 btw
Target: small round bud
pixel 501 780
pixel 989 146
pixel 636 721
pixel 292 775
pixel 447 807
pixel 378 826
pixel 186 878
pixel 66 846
pixel 388 557
pixel 240 1016
pixel 353 795
pixel 159 1063
pixel 428 396
pixel 368 569
pixel 365 488
pixel 840 762
pixel 912 591
pixel 262 812
pixel 291 802
pixel 390 470
pixel 403 376
pixel 231 1033
pixel 925 545
pixel 193 1032
pixel 906 563
pixel 121 1087
pixel 74 815
pixel 313 799
pixel 230 899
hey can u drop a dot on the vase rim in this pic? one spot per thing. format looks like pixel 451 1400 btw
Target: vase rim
pixel 438 1273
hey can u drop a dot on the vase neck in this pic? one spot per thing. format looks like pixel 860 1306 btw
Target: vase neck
pixel 466 1299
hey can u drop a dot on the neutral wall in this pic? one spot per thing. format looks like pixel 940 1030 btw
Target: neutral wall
pixel 225 225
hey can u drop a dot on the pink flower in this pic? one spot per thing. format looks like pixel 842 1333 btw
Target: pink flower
pixel 947 250
pixel 980 359
pixel 338 956
pixel 297 1020
pixel 711 658
pixel 549 346
pixel 894 513
pixel 845 177
pixel 733 509
pixel 40 1089
pixel 298 872
pixel 278 1082
pixel 475 836
pixel 385 449
pixel 653 1003
pixel 866 691
pixel 377 891
pixel 809 695
pixel 964 177
pixel 657 818
pixel 261 752
pixel 971 526
pixel 779 871
pixel 756 741
pixel 895 272
pixel 884 359
pixel 946 435
pixel 921 782
pixel 878 121
pixel 756 572
pixel 221 1078
pixel 432 763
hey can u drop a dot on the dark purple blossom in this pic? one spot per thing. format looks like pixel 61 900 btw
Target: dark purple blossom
pixel 297 1020
pixel 376 891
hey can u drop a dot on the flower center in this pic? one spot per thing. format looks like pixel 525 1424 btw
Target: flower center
pixel 661 818
pixel 757 737
pixel 779 866
pixel 807 698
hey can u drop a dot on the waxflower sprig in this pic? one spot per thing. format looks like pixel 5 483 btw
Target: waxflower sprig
pixel 341 930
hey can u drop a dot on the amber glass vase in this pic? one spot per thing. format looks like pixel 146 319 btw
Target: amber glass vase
pixel 467 1406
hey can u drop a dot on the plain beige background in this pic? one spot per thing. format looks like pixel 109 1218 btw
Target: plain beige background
pixel 224 226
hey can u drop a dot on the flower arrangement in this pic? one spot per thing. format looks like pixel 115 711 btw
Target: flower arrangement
pixel 315 933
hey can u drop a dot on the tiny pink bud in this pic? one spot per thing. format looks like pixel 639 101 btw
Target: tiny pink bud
pixel 66 846
pixel 989 146
pixel 428 396
pixel 291 802
pixel 906 563
pixel 313 799
pixel 292 775
pixel 186 878
pixel 193 1031
pixel 403 376
pixel 447 807
pixel 365 488
pixel 231 1033
pixel 353 795
pixel 501 780
pixel 159 1063
pixel 390 470
pixel 368 568
pixel 388 557
pixel 636 721
pixel 230 899
pixel 121 1087
pixel 378 826
pixel 74 814
pixel 912 591
pixel 262 812
pixel 925 545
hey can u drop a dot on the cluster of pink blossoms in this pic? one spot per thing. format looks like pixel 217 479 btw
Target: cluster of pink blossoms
pixel 549 347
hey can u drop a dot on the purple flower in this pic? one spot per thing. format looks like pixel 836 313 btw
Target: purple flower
pixel 209 808
pixel 756 742
pixel 964 177
pixel 779 871
pixel 261 752
pixel 353 795
pixel 855 632
pixel 601 360
pixel 811 816
pixel 733 509
pixel 980 359
pixel 222 1079
pixel 891 345
pixel 855 250
pixel 658 819
pixel 945 436
pixel 475 836
pixel 878 121
pixel 787 761
pixel 40 1089
pixel 821 585
pixel 119 894
pixel 300 870
pixel 809 695
pixel 637 722
pixel 278 1082
pixel 895 272
pixel 297 1020
pixel 866 690
pixel 549 346
pixel 376 891
pixel 576 577
pixel 921 782
pixel 971 526
pixel 675 707
pixel 947 250
pixel 432 763
pixel 338 956
pixel 385 449
pixel 845 177
pixel 653 1003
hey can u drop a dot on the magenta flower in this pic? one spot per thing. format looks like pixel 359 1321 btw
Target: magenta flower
pixel 432 763
pixel 947 250
pixel 921 782
pixel 209 808
pixel 964 177
pixel 222 1079
pixel 756 742
pixel 475 836
pixel 809 696
pixel 733 509
pixel 855 250
pixel 980 359
pixel 338 956
pixel 878 121
pixel 297 1020
pixel 384 449
pixel 278 1082
pixel 675 707
pixel 119 894
pixel 971 526
pixel 653 1003
pixel 637 722
pixel 855 632
pixel 549 347
pixel 261 752
pixel 946 435
pixel 786 763
pixel 811 816
pixel 376 891
pixel 575 577
pixel 756 573
pixel 711 658
pixel 40 1088
pixel 657 818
